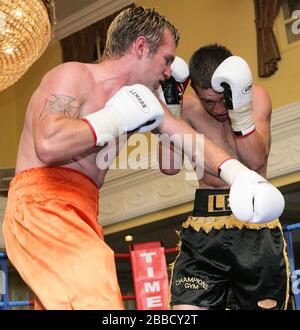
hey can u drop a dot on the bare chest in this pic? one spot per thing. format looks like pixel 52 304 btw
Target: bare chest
pixel 95 101
pixel 219 133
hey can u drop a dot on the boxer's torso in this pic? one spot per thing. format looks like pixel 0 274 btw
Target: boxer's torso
pixel 218 132
pixel 85 162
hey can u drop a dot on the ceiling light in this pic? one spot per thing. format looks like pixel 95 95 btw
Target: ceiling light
pixel 25 32
pixel 128 238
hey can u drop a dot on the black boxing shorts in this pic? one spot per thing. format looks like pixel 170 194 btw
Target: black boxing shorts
pixel 226 263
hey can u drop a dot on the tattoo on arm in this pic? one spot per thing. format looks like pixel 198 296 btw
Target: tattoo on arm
pixel 62 105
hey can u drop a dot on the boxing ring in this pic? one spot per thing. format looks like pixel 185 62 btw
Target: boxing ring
pixel 6 303
pixel 295 273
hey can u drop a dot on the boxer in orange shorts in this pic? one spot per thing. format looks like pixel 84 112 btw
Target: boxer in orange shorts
pixel 51 229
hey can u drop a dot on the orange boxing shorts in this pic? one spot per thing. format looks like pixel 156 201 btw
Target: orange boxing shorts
pixel 54 241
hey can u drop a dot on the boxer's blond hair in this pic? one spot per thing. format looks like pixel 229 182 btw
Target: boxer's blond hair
pixel 132 23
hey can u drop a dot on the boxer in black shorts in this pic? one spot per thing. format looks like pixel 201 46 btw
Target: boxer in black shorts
pixel 230 256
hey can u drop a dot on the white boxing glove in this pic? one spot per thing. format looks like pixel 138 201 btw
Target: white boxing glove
pixel 233 77
pixel 131 108
pixel 252 198
pixel 171 90
pixel 180 70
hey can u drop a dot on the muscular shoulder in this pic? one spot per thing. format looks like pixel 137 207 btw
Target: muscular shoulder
pixel 73 75
pixel 191 107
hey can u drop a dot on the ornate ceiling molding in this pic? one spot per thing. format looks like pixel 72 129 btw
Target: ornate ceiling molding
pixel 87 16
pixel 285 149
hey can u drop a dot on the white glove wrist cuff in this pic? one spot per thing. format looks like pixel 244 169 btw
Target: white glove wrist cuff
pixel 104 126
pixel 245 132
pixel 230 169
pixel 241 120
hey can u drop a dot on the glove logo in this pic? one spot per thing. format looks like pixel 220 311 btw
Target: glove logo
pixel 263 182
pixel 137 98
pixel 247 89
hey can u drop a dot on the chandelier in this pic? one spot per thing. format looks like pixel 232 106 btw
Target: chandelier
pixel 25 32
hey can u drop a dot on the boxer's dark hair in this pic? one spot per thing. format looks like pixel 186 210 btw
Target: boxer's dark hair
pixel 203 64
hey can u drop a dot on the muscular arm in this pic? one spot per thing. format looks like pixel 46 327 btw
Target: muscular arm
pixel 253 149
pixel 58 132
pixel 212 156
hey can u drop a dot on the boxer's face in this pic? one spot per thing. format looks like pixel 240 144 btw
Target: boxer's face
pixel 213 103
pixel 158 64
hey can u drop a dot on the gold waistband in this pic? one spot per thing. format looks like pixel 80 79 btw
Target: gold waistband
pixel 228 222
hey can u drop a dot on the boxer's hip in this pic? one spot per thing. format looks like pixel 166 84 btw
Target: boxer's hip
pixel 54 190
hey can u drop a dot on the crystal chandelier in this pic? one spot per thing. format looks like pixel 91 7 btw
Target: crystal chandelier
pixel 25 32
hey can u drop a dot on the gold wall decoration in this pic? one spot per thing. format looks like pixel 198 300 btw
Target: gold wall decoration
pixel 25 32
